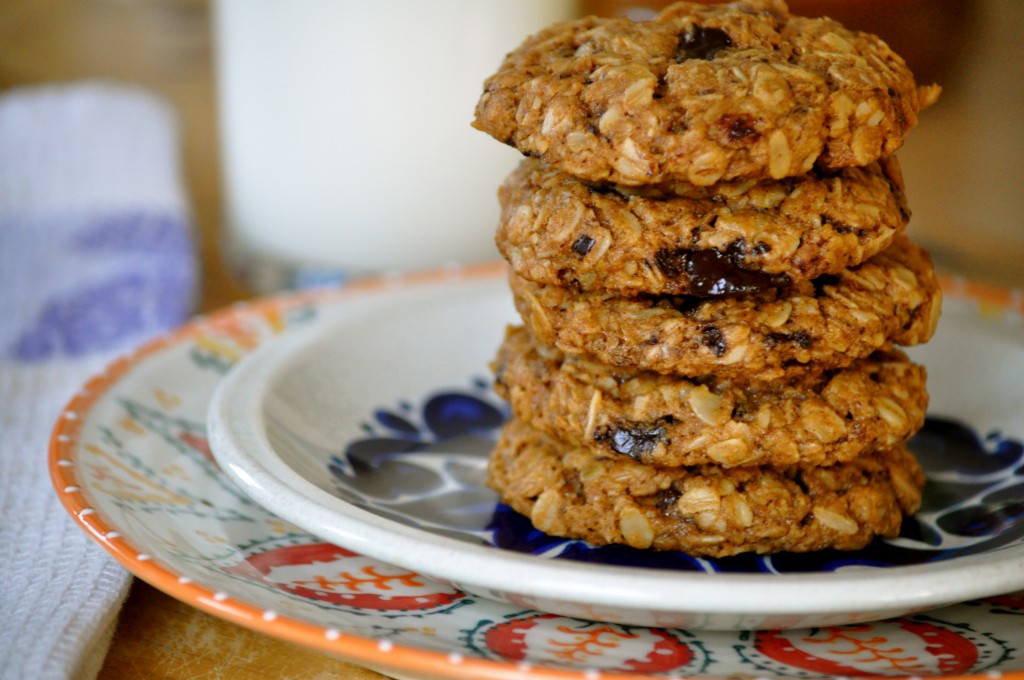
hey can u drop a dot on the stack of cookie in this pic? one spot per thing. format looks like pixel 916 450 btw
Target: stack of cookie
pixel 706 251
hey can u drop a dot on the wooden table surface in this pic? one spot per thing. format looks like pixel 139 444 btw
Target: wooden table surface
pixel 165 46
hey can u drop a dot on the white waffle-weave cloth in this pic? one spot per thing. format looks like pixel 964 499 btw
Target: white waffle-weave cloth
pixel 96 256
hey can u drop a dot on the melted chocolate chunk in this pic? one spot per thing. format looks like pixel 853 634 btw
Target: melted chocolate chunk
pixel 712 338
pixel 702 43
pixel 632 439
pixel 711 272
pixel 582 245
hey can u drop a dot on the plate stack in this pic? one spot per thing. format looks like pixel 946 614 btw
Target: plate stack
pixel 708 257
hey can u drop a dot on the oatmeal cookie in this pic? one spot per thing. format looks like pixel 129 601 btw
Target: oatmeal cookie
pixel 702 93
pixel 704 510
pixel 815 418
pixel 831 321
pixel 681 239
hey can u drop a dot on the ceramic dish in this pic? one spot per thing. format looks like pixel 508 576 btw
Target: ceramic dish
pixel 372 431
pixel 130 461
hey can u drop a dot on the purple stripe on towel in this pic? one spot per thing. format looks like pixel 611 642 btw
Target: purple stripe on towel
pixel 146 285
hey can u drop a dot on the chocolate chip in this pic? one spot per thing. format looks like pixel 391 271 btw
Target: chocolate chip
pixel 632 439
pixel 666 499
pixel 799 338
pixel 712 338
pixel 702 43
pixel 738 127
pixel 711 272
pixel 582 245
pixel 803 340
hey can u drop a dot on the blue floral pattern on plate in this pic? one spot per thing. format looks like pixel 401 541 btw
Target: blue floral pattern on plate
pixel 424 465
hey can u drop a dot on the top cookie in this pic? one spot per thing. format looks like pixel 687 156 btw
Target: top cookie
pixel 702 94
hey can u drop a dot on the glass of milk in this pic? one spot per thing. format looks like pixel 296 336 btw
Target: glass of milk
pixel 346 137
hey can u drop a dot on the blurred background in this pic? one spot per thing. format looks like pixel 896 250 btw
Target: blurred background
pixel 962 164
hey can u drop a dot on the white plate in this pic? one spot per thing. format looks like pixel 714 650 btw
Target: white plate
pixel 371 430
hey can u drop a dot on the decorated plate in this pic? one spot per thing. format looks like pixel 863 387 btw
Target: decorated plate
pixel 372 431
pixel 131 462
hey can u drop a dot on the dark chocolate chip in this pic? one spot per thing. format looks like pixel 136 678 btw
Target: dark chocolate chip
pixel 799 338
pixel 632 439
pixel 666 499
pixel 738 126
pixel 803 340
pixel 582 245
pixel 711 272
pixel 702 43
pixel 712 338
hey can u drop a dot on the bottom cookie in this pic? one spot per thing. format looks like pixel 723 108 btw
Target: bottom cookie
pixel 703 510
